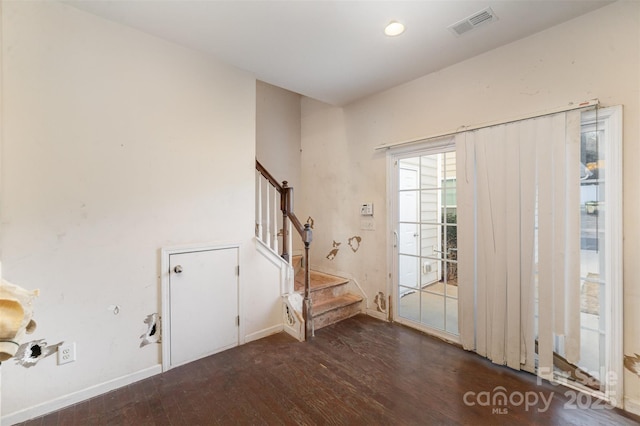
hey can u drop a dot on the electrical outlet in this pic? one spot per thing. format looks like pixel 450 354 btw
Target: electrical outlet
pixel 66 353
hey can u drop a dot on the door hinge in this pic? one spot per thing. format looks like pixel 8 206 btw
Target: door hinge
pixel 238 320
pixel 238 270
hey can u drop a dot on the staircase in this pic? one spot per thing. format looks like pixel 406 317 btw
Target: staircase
pixel 331 300
pixel 317 299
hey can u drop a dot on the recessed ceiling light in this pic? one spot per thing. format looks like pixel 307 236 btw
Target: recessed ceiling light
pixel 393 29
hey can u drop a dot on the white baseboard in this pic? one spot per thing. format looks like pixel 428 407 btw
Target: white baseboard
pixel 377 314
pixel 263 333
pixel 79 396
pixel 632 406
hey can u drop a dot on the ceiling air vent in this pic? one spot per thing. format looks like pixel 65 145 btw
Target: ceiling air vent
pixel 473 21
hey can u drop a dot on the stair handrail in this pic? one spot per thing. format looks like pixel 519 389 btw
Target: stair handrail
pixel 286 207
pixel 264 172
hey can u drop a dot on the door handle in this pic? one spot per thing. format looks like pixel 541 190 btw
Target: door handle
pixel 178 269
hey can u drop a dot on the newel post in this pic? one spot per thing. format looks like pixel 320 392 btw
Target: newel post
pixel 307 236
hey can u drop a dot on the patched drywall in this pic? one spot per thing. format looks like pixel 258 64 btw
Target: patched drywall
pixel 353 243
pixel 334 250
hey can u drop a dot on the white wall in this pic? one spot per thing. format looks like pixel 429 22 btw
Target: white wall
pixel 593 56
pixel 114 145
pixel 278 132
pixel 278 141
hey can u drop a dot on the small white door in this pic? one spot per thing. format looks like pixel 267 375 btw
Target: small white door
pixel 203 299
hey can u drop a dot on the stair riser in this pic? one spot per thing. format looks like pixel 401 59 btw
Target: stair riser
pixel 336 315
pixel 319 296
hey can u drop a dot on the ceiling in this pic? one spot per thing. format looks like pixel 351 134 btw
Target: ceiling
pixel 336 51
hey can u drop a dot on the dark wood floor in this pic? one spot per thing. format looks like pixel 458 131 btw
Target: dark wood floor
pixel 359 372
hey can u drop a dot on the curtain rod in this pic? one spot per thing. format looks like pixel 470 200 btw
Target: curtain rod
pixel 572 106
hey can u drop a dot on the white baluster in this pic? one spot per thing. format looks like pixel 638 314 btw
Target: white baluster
pixel 276 206
pixel 267 223
pixel 258 205
pixel 289 236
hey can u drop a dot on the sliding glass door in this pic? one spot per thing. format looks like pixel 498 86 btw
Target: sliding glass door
pixel 508 240
pixel 425 247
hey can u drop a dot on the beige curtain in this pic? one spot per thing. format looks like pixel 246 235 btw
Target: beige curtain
pixel 519 240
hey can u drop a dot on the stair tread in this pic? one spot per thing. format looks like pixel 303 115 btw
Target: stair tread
pixel 335 303
pixel 319 280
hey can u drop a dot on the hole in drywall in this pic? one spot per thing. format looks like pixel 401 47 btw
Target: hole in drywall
pixel 381 302
pixel 30 353
pixel 152 334
pixel 36 351
pixel 632 363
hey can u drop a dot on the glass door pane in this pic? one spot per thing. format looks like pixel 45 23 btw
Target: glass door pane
pixel 427 241
pixel 592 235
pixel 598 212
